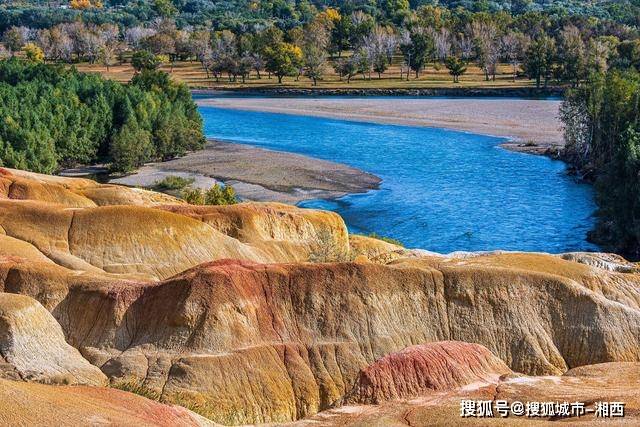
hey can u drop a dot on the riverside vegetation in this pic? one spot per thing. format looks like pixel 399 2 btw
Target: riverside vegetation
pixel 602 130
pixel 528 41
pixel 54 117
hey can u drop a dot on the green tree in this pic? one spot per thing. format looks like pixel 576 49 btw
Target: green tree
pixel 572 55
pixel 283 59
pixel 538 62
pixel 416 48
pixel 144 60
pixel 456 67
pixel 130 148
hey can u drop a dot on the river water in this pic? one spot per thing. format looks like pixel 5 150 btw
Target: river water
pixel 442 190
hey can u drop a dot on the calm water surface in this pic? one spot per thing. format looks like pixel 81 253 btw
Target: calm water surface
pixel 442 190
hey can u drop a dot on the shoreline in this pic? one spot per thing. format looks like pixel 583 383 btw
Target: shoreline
pixel 473 92
pixel 259 174
pixel 528 126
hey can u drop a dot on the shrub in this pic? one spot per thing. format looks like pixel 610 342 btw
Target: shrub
pixel 193 196
pixel 216 195
pixel 173 182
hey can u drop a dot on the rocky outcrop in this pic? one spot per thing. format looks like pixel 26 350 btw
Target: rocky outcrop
pixel 74 192
pixel 33 347
pixel 94 228
pixel 420 369
pixel 41 405
pixel 589 385
pixel 284 232
pixel 148 294
pixel 375 250
pixel 271 343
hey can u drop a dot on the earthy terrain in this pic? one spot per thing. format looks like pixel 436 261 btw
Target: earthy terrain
pixel 530 125
pixel 267 313
pixel 258 174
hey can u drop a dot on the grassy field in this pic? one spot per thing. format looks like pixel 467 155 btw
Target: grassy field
pixel 194 76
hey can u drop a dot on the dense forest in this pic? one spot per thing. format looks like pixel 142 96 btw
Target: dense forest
pixel 243 14
pixel 53 117
pixel 559 42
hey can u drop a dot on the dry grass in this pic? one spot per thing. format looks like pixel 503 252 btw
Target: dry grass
pixel 194 76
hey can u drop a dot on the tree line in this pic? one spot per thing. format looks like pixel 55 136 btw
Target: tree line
pixel 602 131
pixel 534 44
pixel 55 117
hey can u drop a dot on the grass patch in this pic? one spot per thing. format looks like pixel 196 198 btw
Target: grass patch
pixel 134 386
pixel 386 239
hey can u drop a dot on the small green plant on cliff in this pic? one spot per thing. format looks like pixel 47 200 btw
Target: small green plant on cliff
pixel 133 385
pixel 327 248
pixel 386 239
pixel 173 182
pixel 216 195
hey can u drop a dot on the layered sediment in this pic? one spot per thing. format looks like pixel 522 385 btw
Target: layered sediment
pixel 221 309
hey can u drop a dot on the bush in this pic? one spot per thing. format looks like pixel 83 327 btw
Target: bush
pixel 216 195
pixel 173 182
pixel 193 196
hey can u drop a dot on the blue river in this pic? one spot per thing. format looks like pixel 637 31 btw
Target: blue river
pixel 442 190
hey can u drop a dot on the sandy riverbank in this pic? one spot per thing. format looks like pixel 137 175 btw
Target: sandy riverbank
pixel 531 125
pixel 259 174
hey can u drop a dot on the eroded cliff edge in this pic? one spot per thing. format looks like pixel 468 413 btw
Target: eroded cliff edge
pixel 218 307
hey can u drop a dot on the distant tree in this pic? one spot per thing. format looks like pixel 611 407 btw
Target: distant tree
pixel 464 44
pixel 144 60
pixel 200 47
pixel 164 8
pixel 15 38
pixel 346 67
pixel 108 56
pixel 315 41
pixel 456 68
pixel 442 40
pixel 133 36
pixel 380 45
pixel 33 53
pixel 572 55
pixel 396 10
pixel 340 34
pixel 486 41
pixel 599 53
pixel 538 62
pixel 85 4
pixel 514 45
pixel 283 59
pixel 362 24
pixel 417 46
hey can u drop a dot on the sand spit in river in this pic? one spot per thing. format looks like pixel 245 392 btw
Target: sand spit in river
pixel 259 174
pixel 521 120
